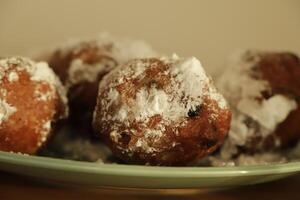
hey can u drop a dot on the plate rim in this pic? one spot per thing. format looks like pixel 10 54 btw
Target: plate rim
pixel 146 171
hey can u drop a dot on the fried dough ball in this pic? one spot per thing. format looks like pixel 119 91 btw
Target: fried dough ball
pixel 161 111
pixel 32 99
pixel 263 89
pixel 82 64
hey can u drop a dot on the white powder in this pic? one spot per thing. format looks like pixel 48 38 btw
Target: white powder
pixel 3 92
pixel 42 96
pixel 139 69
pixel 115 136
pixel 188 86
pixel 113 95
pixel 120 50
pixel 191 74
pixel 264 158
pixel 218 97
pixel 4 64
pixel 242 90
pixel 42 72
pixel 148 104
pixel 126 49
pixel 79 71
pixel 156 132
pixel 270 112
pixel 236 83
pixel 143 144
pixel 151 136
pixel 239 131
pixel 37 71
pixel 191 84
pixel 45 132
pixel 246 160
pixel 6 111
pixel 13 76
pixel 122 114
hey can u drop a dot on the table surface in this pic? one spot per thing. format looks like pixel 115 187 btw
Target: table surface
pixel 19 187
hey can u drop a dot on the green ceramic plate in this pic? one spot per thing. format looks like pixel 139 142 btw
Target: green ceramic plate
pixel 131 176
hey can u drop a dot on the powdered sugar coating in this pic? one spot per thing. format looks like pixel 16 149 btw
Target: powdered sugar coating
pixel 44 73
pixel 253 114
pixel 147 97
pixel 13 76
pixel 188 86
pixel 38 72
pixel 5 111
pixel 113 50
pixel 31 97
pixel 80 71
pixel 82 63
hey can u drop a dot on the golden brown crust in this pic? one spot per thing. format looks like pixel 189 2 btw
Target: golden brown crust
pixel 35 105
pixel 88 52
pixel 82 94
pixel 156 140
pixel 282 71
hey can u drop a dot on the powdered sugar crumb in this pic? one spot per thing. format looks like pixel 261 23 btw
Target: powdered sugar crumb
pixel 6 111
pixel 44 132
pixel 13 76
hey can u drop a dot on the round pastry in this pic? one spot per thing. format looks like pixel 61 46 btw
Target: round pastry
pixel 31 100
pixel 82 64
pixel 160 111
pixel 263 89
